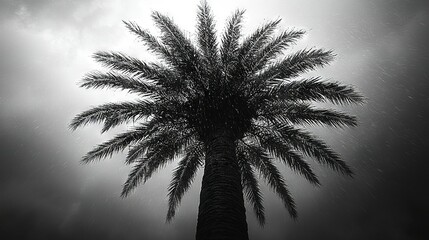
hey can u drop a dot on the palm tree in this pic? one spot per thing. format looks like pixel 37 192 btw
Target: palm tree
pixel 231 107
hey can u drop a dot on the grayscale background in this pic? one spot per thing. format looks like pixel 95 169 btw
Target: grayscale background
pixel 45 193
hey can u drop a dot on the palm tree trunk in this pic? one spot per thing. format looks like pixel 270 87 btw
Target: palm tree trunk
pixel 221 212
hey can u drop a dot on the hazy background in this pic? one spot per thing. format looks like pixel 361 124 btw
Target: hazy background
pixel 45 193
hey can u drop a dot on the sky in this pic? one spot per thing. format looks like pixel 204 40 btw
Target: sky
pixel 45 193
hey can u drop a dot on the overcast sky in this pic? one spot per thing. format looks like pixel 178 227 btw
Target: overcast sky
pixel 45 193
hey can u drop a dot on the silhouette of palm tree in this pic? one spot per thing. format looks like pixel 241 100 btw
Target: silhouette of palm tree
pixel 230 106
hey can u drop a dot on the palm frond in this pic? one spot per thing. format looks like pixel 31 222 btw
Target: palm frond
pixel 126 64
pixel 188 58
pixel 297 63
pixel 135 177
pixel 162 151
pixel 156 73
pixel 207 36
pixel 260 160
pixel 113 114
pixel 250 185
pixel 183 176
pixel 255 42
pixel 171 81
pixel 315 89
pixel 275 47
pixel 136 152
pixel 280 149
pixel 118 143
pixel 100 80
pixel 177 50
pixel 158 133
pixel 311 146
pixel 230 38
pixel 151 42
pixel 301 113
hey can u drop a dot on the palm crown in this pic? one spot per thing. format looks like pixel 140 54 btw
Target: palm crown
pixel 247 87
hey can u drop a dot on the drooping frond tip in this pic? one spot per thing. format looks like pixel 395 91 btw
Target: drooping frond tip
pixel 162 148
pixel 183 176
pixel 250 186
pixel 260 160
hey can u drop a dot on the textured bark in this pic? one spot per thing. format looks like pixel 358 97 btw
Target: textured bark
pixel 221 212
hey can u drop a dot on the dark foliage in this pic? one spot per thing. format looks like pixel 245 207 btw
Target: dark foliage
pixel 247 86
